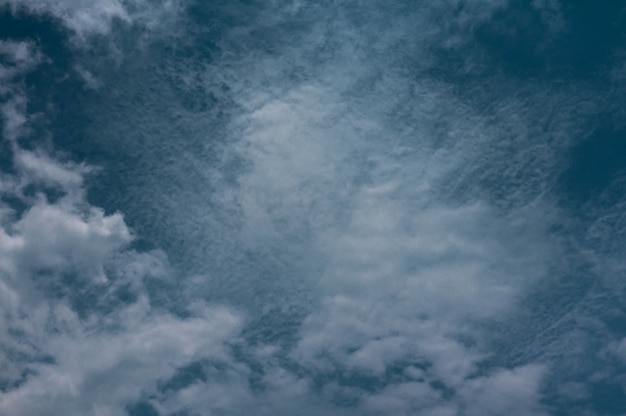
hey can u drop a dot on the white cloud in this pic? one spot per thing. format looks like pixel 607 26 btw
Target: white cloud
pixel 40 167
pixel 89 79
pixel 56 236
pixel 88 17
pixel 618 349
pixel 345 207
pixel 408 399
pixel 106 370
pixel 14 118
pixel 18 57
pixel 511 392
pixel 82 16
pixel 405 276
pixel 61 357
pixel 65 360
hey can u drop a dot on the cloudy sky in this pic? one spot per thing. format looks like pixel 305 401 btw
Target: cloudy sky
pixel 331 207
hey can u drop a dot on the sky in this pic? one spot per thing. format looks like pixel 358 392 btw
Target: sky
pixel 291 207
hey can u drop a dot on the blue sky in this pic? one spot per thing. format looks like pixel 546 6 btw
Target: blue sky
pixel 293 207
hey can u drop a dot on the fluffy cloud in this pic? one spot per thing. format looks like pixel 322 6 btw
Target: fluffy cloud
pixel 102 371
pixel 79 331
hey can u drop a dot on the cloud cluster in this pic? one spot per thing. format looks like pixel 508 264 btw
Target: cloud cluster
pixel 408 274
pixel 339 228
pixel 79 331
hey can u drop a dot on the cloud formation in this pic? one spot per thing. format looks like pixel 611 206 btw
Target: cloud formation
pixel 299 208
pixel 77 318
pixel 85 18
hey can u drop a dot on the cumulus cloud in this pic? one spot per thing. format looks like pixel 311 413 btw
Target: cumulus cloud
pixel 101 372
pixel 79 331
pixel 78 336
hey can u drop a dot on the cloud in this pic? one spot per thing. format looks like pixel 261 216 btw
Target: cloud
pixel 14 118
pixel 80 16
pixel 42 168
pixel 551 14
pixel 367 223
pixel 618 349
pixel 407 278
pixel 87 17
pixel 53 236
pixel 103 371
pixel 80 333
pixel 514 392
pixel 16 58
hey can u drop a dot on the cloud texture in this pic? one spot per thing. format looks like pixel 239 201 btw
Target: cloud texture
pixel 308 208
